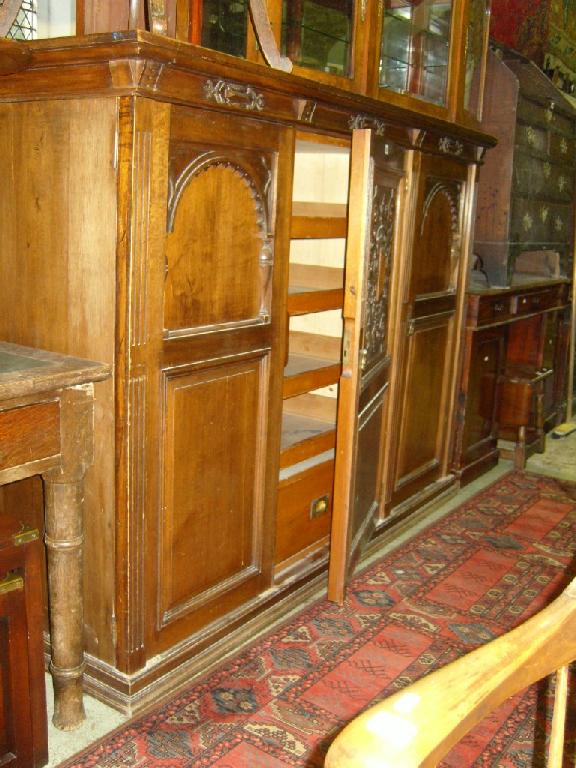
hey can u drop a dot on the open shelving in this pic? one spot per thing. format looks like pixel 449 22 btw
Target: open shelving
pixel 314 348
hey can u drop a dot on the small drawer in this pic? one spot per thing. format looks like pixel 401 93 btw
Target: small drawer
pixel 304 510
pixel 537 301
pixel 493 308
pixel 29 433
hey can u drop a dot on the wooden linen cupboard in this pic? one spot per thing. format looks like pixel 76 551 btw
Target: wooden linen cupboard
pixel 275 267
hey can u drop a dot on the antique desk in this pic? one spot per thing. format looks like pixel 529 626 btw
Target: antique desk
pixel 46 413
pixel 513 379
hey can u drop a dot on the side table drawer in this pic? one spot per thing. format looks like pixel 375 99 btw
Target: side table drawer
pixel 29 433
pixel 538 301
pixel 493 309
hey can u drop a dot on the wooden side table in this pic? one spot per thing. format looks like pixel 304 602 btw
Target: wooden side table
pixel 46 416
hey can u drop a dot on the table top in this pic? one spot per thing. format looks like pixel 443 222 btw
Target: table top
pixel 27 371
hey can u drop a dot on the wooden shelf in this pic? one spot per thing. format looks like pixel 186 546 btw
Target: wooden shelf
pixel 304 373
pixel 304 437
pixel 314 289
pixel 318 220
pixel 302 301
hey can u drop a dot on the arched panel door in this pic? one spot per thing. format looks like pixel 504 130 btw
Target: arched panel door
pixel 427 367
pixel 372 214
pixel 215 391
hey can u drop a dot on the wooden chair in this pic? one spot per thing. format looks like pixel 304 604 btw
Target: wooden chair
pixel 420 724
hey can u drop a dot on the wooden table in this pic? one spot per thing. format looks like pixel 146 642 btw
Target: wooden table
pixel 46 415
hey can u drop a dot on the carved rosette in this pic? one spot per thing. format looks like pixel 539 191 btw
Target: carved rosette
pixel 378 271
pixel 367 121
pixel 232 94
pixel 450 146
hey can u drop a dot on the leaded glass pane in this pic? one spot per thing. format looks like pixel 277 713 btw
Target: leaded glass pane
pixel 25 25
pixel 415 46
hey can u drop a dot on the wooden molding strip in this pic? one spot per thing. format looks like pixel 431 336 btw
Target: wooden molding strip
pixel 265 36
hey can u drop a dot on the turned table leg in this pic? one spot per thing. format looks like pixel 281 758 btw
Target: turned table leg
pixel 64 497
pixel 64 540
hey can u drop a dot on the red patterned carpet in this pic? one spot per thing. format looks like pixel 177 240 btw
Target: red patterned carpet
pixel 480 571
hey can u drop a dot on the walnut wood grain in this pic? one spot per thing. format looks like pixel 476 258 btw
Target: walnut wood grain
pixel 13 56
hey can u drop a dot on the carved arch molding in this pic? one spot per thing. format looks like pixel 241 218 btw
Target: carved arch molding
pixel 248 175
pixel 8 12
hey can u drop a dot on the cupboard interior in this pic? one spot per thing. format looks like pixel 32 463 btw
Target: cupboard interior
pixel 313 347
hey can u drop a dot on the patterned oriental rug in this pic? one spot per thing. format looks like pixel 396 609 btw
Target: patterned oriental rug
pixel 478 572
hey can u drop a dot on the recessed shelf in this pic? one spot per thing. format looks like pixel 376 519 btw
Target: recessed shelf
pixel 302 301
pixel 318 220
pixel 304 373
pixel 304 437
pixel 314 289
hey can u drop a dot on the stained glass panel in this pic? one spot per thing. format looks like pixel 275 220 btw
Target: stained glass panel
pixel 25 25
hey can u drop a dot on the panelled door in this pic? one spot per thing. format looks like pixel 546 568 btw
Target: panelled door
pixel 372 212
pixel 203 453
pixel 427 369
pixel 219 363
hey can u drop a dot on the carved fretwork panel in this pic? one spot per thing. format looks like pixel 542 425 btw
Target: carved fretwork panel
pixel 378 272
pixel 219 251
pixel 437 246
pixel 374 189
pixel 214 455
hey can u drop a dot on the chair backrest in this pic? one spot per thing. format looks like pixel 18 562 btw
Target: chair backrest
pixel 421 723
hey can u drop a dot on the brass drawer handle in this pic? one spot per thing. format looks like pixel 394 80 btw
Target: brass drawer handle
pixel 11 583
